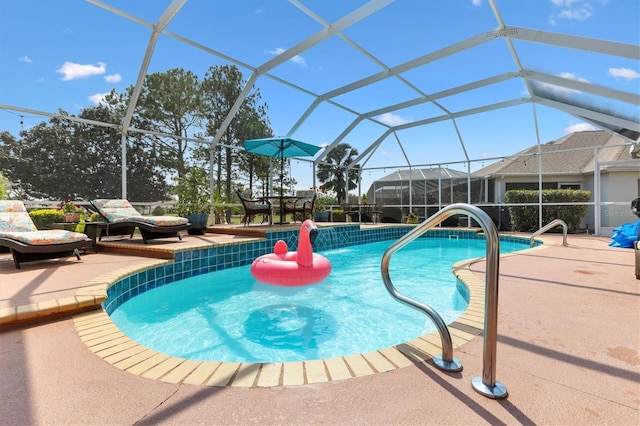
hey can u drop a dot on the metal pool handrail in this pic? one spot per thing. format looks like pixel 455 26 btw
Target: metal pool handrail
pixel 487 384
pixel 548 226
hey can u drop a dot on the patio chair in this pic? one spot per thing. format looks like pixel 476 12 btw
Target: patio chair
pixel 350 212
pixel 253 207
pixel 376 212
pixel 122 219
pixel 302 203
pixel 19 235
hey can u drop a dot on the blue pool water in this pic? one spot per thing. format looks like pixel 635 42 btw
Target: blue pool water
pixel 229 316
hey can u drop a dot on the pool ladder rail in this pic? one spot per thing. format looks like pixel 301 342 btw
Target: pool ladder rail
pixel 549 226
pixel 486 385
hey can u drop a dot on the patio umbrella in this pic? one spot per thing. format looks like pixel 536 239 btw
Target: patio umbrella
pixel 280 147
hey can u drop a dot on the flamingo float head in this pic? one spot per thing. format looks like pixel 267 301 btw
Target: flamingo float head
pixel 310 228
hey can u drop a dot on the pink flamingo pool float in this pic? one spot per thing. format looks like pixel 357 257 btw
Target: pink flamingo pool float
pixel 293 268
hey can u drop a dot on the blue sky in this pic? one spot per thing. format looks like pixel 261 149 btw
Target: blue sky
pixel 66 54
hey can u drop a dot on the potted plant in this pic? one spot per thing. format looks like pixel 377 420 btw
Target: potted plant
pixel 72 213
pixel 412 218
pixel 321 210
pixel 193 199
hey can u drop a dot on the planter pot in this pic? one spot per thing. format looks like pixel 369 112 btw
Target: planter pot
pixel 198 223
pixel 71 217
pixel 321 216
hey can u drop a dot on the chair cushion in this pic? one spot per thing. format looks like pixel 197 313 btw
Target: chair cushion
pixel 14 217
pixel 16 222
pixel 163 220
pixel 12 206
pixel 116 210
pixel 45 237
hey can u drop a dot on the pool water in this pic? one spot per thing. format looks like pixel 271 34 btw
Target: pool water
pixel 229 316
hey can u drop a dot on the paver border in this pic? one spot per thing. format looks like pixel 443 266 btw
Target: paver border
pixel 106 340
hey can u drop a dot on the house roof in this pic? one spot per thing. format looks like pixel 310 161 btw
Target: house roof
pixel 567 155
pixel 422 174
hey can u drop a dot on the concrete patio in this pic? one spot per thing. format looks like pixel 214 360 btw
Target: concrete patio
pixel 568 352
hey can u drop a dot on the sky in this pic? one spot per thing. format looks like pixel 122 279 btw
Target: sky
pixel 67 54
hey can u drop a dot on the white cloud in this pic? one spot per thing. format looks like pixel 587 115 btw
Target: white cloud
pixel 392 119
pixel 259 11
pixel 26 59
pixel 296 59
pixel 572 76
pixel 623 73
pixel 386 153
pixel 113 78
pixel 572 10
pixel 579 127
pixel 98 98
pixel 476 2
pixel 72 71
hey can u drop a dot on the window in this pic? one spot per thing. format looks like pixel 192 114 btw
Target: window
pixel 569 186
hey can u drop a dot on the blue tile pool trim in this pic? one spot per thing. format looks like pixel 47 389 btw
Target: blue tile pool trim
pixel 191 263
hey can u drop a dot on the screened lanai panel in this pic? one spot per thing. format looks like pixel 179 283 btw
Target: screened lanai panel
pixel 391 52
pixel 378 95
pixel 494 94
pixel 326 66
pixel 417 24
pixel 462 68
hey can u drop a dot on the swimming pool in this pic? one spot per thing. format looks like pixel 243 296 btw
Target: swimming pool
pixel 228 316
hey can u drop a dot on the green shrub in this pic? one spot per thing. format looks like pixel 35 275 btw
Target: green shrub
pixel 338 215
pixel 45 218
pixel 158 211
pixel 96 217
pixel 525 218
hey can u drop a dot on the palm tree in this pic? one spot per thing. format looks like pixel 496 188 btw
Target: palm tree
pixel 331 172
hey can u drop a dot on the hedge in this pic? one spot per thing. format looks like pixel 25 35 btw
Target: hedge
pixel 45 218
pixel 525 218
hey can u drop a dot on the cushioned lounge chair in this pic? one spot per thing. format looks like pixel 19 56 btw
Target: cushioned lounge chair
pixel 254 207
pixel 122 219
pixel 19 235
pixel 302 203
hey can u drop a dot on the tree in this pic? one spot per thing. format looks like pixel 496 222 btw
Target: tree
pixel 65 159
pixel 331 172
pixel 255 168
pixel 171 103
pixel 221 88
pixel 4 187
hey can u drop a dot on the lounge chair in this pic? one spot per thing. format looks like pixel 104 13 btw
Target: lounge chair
pixel 302 203
pixel 122 219
pixel 254 207
pixel 19 235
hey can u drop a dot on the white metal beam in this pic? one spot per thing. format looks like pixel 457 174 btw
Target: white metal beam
pixel 572 42
pixel 593 115
pixel 342 23
pixel 581 86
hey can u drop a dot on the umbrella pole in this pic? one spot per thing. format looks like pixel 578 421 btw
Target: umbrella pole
pixel 281 183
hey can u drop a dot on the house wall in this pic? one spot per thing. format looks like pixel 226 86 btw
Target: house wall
pixel 619 188
pixel 586 183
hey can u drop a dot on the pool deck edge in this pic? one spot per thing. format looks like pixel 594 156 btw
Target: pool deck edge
pixel 105 340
